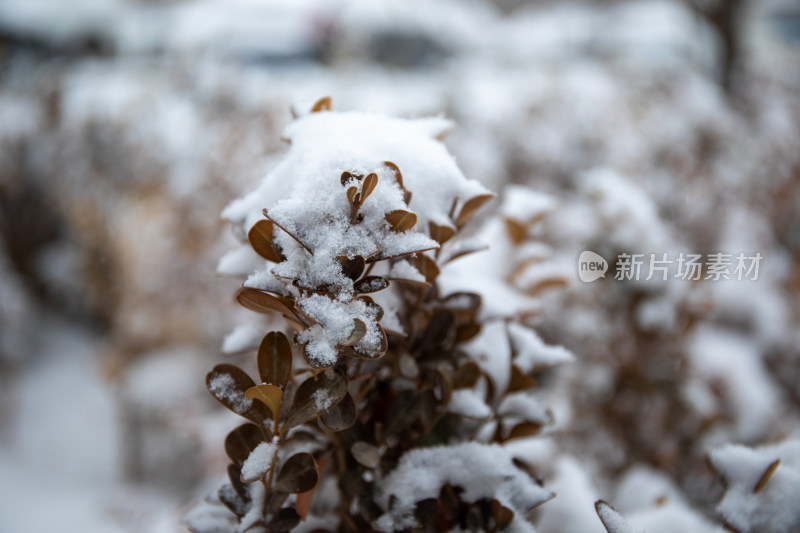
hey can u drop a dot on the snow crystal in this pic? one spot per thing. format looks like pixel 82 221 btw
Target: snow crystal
pixel 223 386
pixel 335 324
pixel 483 471
pixel 491 351
pixel 524 406
pixel 322 399
pixel 260 460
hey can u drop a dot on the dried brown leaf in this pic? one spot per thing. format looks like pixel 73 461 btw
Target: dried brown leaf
pixel 298 474
pixel 470 207
pixel 352 267
pixel 368 185
pixel 275 359
pixel 264 302
pixel 323 104
pixel 228 384
pixel 440 234
pixel 466 375
pixel 241 441
pixel 269 395
pixel 370 284
pixel 366 454
pixel 401 220
pixel 765 477
pixel 359 330
pixel 260 237
pixel 342 416
pixel 315 396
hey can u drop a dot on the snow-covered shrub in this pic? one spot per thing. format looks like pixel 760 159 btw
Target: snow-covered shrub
pixel 395 407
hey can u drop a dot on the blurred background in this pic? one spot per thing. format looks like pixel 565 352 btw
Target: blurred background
pixel 127 125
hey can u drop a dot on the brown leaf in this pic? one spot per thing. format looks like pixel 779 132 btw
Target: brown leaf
pixel 323 104
pixel 427 267
pixel 516 231
pixel 235 477
pixel 352 267
pixel 519 381
pixel 467 331
pixel 368 185
pixel 359 330
pixel 440 234
pixel 316 395
pixel 228 383
pixel 284 521
pixel 370 284
pixel 260 237
pixel 358 351
pixel 232 500
pixel 503 516
pixel 524 429
pixel 342 416
pixel 762 481
pixel 241 441
pixel 366 454
pixel 351 194
pixel 289 233
pixel 264 302
pixel 275 359
pixel 470 207
pixel 298 474
pixel 269 395
pixel 346 176
pixel 401 220
pixel 466 375
pixel 396 171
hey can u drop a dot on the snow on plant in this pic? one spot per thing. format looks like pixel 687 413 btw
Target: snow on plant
pixel 393 411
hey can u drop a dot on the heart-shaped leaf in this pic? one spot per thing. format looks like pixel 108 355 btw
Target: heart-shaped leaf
pixel 352 268
pixel 426 266
pixel 298 474
pixel 342 416
pixel 260 237
pixel 269 395
pixel 275 359
pixel 241 441
pixel 228 383
pixel 401 220
pixel 470 207
pixel 440 234
pixel 315 396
